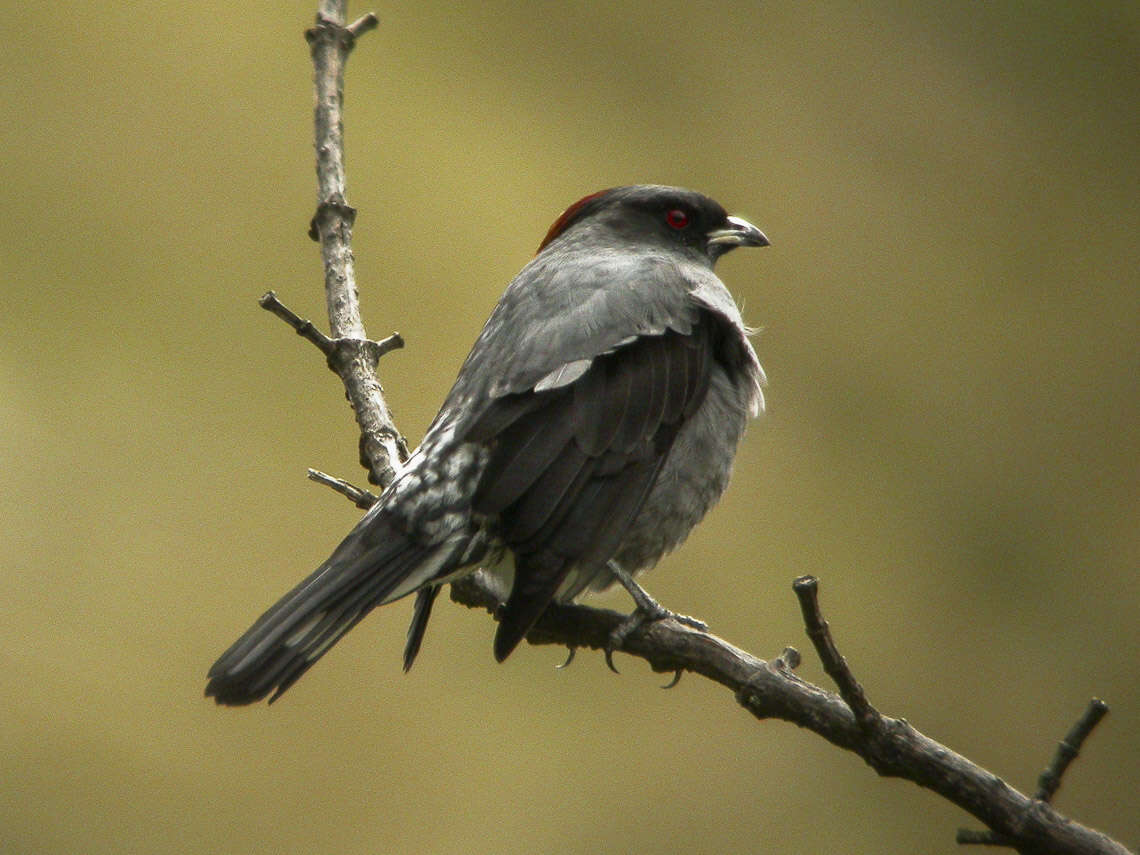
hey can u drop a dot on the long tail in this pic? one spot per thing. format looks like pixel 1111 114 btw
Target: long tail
pixel 376 563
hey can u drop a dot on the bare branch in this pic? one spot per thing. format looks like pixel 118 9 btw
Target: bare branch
pixel 769 689
pixel 354 360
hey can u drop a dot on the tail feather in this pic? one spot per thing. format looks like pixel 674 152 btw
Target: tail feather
pixel 537 579
pixel 425 598
pixel 373 563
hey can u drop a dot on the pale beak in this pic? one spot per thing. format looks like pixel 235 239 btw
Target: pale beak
pixel 739 233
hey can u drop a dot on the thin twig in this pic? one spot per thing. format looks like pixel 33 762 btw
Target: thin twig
pixel 1068 749
pixel 1050 780
pixel 304 328
pixel 363 499
pixel 363 24
pixel 807 591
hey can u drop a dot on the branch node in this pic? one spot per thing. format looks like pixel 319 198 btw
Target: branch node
pixel 789 660
pixel 343 350
pixel 331 212
pixel 327 28
pixel 374 445
pixel 377 349
pixel 337 351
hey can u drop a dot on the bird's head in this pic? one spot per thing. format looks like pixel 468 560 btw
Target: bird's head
pixel 649 217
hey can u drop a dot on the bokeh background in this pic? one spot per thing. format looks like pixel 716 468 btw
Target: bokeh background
pixel 950 321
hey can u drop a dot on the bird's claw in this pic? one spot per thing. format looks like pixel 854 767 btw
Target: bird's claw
pixel 609 654
pixel 638 619
pixel 569 659
pixel 648 611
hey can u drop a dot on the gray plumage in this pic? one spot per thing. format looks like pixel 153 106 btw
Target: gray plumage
pixel 595 419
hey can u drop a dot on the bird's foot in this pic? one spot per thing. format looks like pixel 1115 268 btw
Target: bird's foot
pixel 638 619
pixel 648 611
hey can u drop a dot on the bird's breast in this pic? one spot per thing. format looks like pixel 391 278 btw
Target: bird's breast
pixel 694 476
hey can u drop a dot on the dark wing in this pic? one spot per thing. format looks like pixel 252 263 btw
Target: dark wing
pixel 570 467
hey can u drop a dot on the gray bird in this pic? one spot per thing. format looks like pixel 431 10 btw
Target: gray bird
pixel 593 424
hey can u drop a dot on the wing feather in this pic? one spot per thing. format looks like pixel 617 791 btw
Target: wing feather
pixel 570 468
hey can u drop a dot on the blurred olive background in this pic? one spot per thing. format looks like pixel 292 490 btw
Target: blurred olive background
pixel 950 325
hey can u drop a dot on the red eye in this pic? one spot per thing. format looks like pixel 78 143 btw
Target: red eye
pixel 677 218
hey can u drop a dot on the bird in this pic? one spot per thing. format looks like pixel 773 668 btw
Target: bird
pixel 591 427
